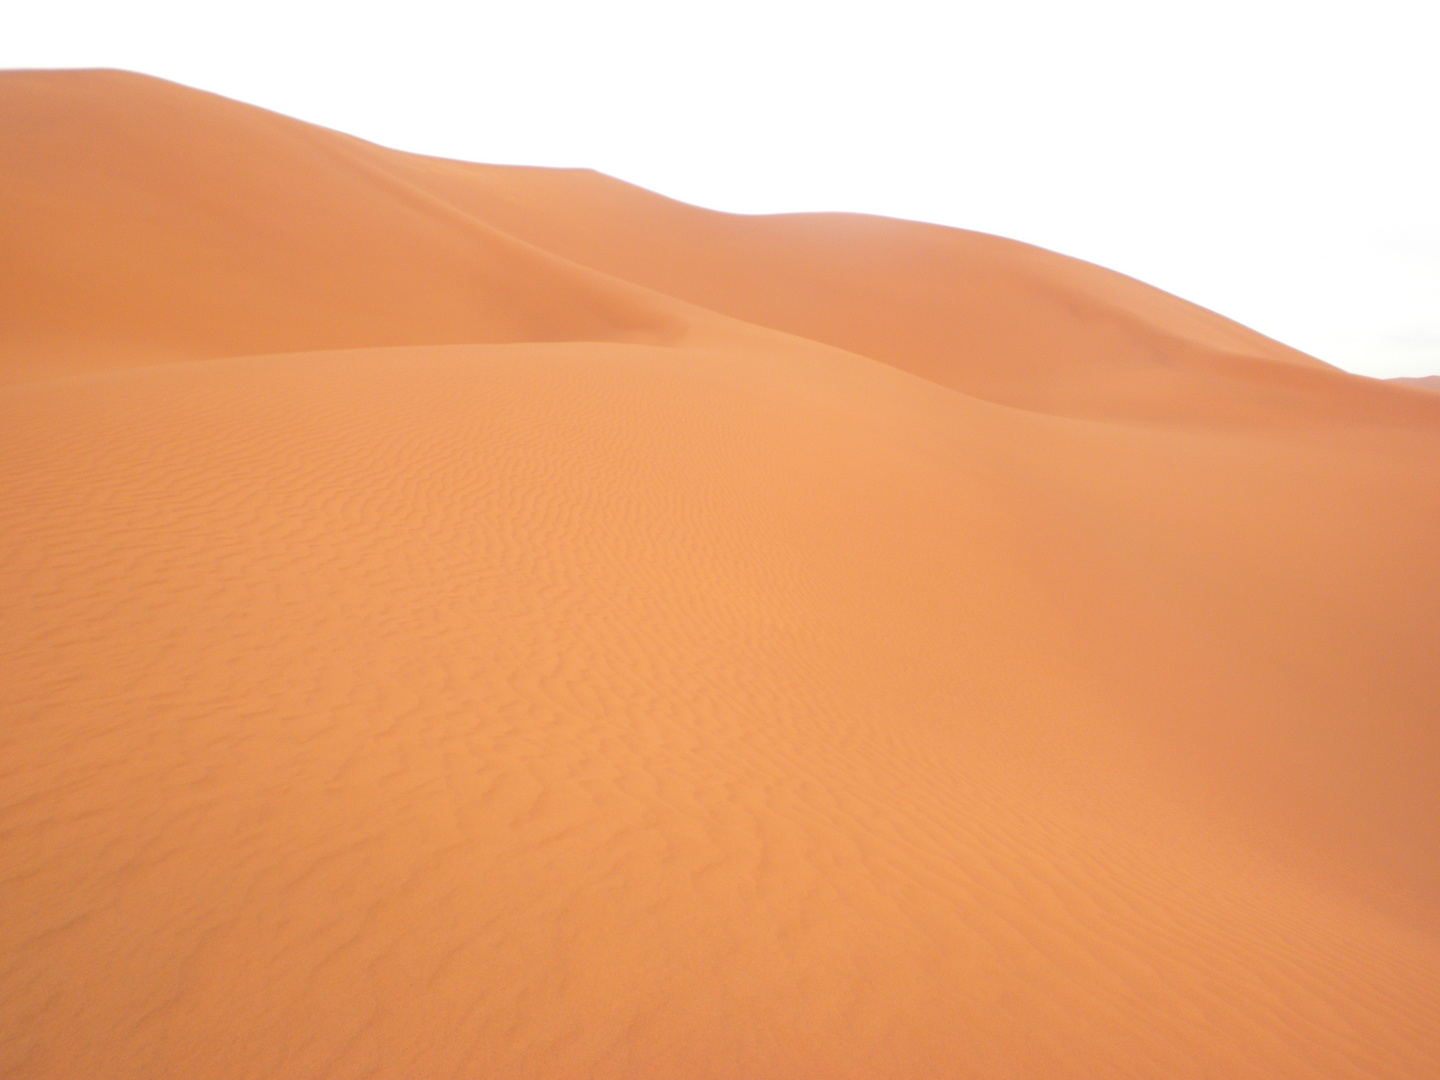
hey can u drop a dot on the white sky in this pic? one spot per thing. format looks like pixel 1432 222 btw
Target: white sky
pixel 1276 160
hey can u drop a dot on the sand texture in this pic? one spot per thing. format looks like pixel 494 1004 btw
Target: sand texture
pixel 485 622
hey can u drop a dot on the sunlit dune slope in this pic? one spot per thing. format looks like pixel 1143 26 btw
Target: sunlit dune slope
pixel 154 222
pixel 466 621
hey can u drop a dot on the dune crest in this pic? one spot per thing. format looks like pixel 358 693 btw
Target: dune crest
pixel 477 621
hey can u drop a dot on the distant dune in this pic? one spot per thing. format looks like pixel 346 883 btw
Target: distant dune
pixel 483 622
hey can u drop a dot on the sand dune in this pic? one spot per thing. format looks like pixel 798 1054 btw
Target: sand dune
pixel 1430 382
pixel 474 621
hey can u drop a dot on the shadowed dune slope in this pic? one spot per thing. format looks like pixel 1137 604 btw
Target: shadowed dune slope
pixel 472 621
pixel 156 222
pixel 1429 382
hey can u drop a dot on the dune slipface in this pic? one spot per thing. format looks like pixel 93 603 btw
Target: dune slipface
pixel 466 621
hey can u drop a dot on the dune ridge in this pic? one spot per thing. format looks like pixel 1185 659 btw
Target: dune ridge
pixel 480 621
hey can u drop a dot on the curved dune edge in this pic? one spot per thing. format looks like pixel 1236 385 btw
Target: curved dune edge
pixel 448 639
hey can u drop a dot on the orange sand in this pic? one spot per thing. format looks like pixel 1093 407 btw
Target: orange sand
pixel 1430 382
pixel 484 622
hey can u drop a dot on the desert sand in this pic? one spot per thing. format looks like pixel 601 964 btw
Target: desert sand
pixel 466 621
pixel 1430 382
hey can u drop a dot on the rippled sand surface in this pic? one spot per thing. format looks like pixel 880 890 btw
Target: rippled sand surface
pixel 485 622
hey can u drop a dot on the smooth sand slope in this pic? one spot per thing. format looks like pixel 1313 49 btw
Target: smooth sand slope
pixel 1430 382
pixel 479 622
